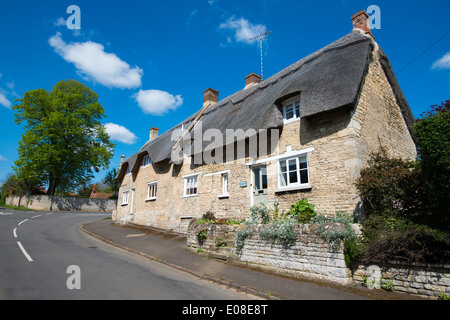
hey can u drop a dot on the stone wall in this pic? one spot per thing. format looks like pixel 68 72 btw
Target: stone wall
pixel 310 257
pixel 419 279
pixel 56 203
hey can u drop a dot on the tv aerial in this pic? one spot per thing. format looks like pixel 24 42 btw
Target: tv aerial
pixel 261 37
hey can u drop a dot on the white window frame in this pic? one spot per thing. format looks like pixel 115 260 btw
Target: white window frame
pixel 146 161
pixel 295 104
pixel 225 193
pixel 190 182
pixel 125 197
pixel 152 189
pixel 295 185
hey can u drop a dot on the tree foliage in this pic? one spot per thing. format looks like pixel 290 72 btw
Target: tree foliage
pixel 432 135
pixel 64 141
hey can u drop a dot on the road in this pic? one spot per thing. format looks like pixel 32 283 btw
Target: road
pixel 45 256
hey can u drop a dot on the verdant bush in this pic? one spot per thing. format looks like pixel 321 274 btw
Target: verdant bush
pixel 303 211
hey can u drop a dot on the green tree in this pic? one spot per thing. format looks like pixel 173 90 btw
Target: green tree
pixel 64 141
pixel 110 182
pixel 432 135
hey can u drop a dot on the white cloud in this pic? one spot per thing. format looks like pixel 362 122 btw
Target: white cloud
pixel 442 63
pixel 60 22
pixel 157 102
pixel 243 29
pixel 120 133
pixel 93 63
pixel 4 102
pixel 2 158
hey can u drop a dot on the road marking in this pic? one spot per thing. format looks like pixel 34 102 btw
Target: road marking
pixel 22 222
pixel 6 213
pixel 15 232
pixel 39 215
pixel 24 252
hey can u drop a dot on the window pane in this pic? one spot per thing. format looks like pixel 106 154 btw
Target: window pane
pixel 297 109
pixel 283 166
pixel 283 181
pixel 303 163
pixel 256 173
pixel 293 177
pixel 293 165
pixel 304 176
pixel 289 111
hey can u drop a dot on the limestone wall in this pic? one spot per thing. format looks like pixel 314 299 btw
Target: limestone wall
pixel 56 203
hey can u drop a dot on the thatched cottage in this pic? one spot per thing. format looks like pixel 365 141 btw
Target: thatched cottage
pixel 303 133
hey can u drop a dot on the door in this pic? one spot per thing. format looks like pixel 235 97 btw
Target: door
pixel 259 189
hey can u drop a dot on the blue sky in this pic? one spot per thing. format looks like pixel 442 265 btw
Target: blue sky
pixel 150 61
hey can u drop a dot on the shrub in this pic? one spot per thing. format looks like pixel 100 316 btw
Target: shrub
pixel 334 230
pixel 240 237
pixel 303 211
pixel 201 235
pixel 282 231
pixel 391 186
pixel 259 213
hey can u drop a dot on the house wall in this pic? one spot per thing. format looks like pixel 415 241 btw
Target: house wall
pixel 341 142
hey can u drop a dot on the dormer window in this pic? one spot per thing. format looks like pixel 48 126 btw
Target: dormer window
pixel 291 109
pixel 146 161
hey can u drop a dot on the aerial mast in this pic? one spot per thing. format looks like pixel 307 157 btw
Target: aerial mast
pixel 260 37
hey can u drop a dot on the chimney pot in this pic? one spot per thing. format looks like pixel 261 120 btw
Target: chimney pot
pixel 153 133
pixel 210 96
pixel 252 79
pixel 361 21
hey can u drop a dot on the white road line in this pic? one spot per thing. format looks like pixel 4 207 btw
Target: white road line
pixel 39 215
pixel 15 232
pixel 24 252
pixel 22 222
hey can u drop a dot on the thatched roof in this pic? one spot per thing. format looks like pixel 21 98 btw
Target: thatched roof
pixel 329 79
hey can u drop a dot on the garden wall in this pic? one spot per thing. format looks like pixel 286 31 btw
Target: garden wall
pixel 311 257
pixel 56 203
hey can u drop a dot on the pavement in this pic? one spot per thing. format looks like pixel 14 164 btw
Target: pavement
pixel 170 249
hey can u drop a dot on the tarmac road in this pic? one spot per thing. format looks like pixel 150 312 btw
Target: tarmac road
pixel 45 256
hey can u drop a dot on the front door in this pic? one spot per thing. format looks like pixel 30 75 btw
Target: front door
pixel 259 185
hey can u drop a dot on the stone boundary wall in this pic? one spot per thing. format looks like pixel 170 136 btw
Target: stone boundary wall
pixel 427 280
pixel 312 258
pixel 57 203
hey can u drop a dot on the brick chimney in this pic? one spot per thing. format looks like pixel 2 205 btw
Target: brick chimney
pixel 153 133
pixel 361 21
pixel 251 80
pixel 210 96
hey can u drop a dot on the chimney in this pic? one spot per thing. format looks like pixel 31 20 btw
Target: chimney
pixel 251 80
pixel 210 96
pixel 153 133
pixel 122 160
pixel 361 21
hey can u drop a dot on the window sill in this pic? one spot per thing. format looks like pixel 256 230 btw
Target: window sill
pixel 224 196
pixel 290 120
pixel 190 196
pixel 150 199
pixel 293 188
pixel 124 204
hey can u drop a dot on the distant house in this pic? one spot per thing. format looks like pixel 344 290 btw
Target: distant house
pixel 99 195
pixel 308 130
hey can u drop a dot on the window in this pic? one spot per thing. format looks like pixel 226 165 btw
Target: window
pixel 190 185
pixel 151 190
pixel 291 110
pixel 125 197
pixel 293 172
pixel 146 161
pixel 128 169
pixel 224 184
